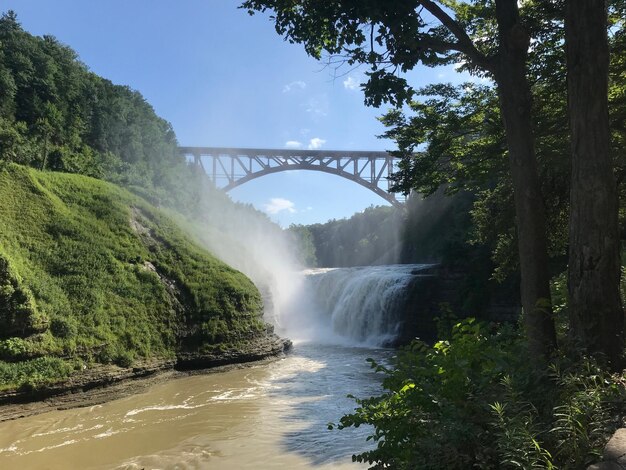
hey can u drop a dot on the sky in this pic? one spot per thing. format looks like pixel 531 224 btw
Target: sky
pixel 223 78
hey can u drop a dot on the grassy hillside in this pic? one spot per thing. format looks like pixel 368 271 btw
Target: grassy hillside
pixel 90 274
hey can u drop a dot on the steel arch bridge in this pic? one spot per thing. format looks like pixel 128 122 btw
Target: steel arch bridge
pixel 232 167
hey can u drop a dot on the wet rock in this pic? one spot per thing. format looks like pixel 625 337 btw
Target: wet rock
pixel 605 466
pixel 253 350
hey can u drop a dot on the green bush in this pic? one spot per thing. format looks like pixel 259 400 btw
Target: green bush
pixel 29 375
pixel 215 330
pixel 125 359
pixel 475 401
pixel 63 327
pixel 12 349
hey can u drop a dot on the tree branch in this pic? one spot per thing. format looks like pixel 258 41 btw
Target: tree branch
pixel 465 43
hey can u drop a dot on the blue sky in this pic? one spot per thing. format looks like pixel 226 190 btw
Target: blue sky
pixel 226 79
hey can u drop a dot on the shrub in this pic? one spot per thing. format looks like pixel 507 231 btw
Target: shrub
pixel 475 401
pixel 63 327
pixel 32 374
pixel 13 349
pixel 125 359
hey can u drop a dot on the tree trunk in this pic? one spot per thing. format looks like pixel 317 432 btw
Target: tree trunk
pixel 596 314
pixel 515 104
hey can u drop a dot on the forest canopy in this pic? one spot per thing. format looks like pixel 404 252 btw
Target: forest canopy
pixel 56 114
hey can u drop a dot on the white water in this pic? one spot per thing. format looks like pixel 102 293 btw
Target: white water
pixel 349 306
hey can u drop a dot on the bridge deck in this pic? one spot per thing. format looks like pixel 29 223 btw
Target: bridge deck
pixel 290 153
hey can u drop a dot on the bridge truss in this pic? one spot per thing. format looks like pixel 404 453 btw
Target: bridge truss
pixel 232 167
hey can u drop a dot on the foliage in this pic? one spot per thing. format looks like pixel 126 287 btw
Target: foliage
pixel 302 239
pixel 474 400
pixel 86 269
pixel 20 313
pixel 35 373
pixel 449 136
pixel 368 237
pixel 55 114
pixel 108 277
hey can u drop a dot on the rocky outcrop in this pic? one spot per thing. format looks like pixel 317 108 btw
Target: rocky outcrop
pixel 249 351
pixel 420 309
pixel 614 455
pixel 438 290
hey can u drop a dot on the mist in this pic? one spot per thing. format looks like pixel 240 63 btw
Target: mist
pixel 294 304
pixel 250 242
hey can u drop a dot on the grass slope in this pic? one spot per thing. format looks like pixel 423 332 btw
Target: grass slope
pixel 90 273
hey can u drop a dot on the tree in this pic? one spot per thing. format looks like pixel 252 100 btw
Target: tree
pixel 396 36
pixel 303 243
pixel 596 314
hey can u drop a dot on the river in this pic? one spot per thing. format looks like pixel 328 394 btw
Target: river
pixel 267 416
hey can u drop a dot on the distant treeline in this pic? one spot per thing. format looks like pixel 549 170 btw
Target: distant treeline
pixel 368 237
pixel 55 114
pixel 428 230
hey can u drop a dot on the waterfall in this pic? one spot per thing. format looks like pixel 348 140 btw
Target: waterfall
pixel 360 306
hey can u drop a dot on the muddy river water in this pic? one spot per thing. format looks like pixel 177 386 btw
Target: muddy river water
pixel 269 416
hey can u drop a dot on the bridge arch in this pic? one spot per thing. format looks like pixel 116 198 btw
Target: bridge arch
pixel 237 166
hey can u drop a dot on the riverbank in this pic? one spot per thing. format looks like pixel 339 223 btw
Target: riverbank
pixel 103 383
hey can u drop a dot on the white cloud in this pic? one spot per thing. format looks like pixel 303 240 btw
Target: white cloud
pixel 350 83
pixel 278 204
pixel 316 143
pixel 297 85
pixel 293 144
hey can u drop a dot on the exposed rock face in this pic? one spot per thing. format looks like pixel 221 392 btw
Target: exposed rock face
pixel 614 455
pixel 253 350
pixel 436 290
pixel 421 308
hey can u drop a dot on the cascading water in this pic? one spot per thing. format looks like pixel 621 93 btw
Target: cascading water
pixel 361 306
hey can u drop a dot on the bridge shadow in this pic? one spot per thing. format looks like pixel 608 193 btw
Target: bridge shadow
pixel 318 396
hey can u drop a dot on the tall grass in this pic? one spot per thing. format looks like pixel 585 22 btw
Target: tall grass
pixel 95 272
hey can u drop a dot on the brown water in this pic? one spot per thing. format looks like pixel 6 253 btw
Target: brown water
pixel 270 416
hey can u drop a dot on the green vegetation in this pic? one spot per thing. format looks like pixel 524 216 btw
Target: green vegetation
pixel 366 238
pixel 55 114
pixel 473 400
pixel 90 273
pixel 437 229
pixel 506 141
pixel 537 140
